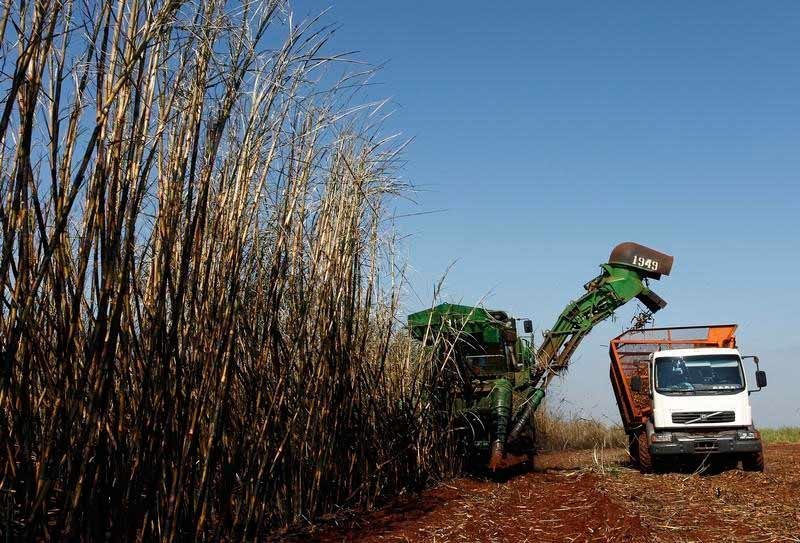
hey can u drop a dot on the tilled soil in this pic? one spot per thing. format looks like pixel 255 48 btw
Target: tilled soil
pixel 587 496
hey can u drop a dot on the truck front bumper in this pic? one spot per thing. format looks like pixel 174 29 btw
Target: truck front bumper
pixel 706 443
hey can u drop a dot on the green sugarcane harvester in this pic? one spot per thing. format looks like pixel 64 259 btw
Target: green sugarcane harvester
pixel 496 366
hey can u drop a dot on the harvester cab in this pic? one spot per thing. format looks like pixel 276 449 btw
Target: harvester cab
pixel 485 341
pixel 502 376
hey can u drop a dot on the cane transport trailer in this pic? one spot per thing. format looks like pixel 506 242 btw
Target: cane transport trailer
pixel 684 391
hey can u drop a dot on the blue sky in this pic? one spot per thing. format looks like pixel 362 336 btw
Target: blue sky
pixel 546 133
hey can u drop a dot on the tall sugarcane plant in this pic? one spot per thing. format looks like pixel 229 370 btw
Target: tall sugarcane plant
pixel 197 284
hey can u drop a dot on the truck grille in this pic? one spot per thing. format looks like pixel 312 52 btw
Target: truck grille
pixel 703 417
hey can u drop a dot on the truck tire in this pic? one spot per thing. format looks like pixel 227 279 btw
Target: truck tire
pixel 643 453
pixel 753 461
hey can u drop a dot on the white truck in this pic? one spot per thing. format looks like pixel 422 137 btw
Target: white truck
pixel 684 391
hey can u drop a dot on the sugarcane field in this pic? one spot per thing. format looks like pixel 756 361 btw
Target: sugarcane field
pixel 304 270
pixel 590 495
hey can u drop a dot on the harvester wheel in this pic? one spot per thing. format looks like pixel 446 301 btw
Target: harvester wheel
pixel 643 453
pixel 753 461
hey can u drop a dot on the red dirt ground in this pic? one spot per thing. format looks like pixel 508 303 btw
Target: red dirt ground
pixel 578 496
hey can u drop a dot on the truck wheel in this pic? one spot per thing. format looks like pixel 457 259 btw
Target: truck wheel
pixel 643 453
pixel 753 461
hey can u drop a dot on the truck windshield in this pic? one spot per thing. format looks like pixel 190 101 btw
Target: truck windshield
pixel 704 373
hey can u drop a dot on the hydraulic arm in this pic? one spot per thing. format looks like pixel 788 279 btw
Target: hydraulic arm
pixel 622 279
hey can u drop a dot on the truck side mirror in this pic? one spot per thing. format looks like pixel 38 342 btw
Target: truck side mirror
pixel 527 325
pixel 636 383
pixel 761 379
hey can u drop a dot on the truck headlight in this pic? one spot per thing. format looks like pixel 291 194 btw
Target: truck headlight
pixel 663 437
pixel 746 434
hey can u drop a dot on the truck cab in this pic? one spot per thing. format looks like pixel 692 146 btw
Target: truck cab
pixel 701 405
